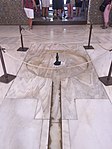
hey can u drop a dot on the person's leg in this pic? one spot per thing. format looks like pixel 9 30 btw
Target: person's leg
pixel 106 16
pixel 46 11
pixel 71 10
pixel 68 7
pixel 43 13
pixel 30 16
pixel 60 13
pixel 77 11
pixel 30 23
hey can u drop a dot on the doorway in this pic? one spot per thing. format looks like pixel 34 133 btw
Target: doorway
pixel 81 19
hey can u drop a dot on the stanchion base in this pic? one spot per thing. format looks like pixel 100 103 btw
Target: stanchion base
pixel 57 63
pixel 88 47
pixel 105 81
pixel 7 79
pixel 23 49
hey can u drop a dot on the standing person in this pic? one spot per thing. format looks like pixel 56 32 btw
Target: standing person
pixel 45 8
pixel 70 4
pixel 106 13
pixel 28 6
pixel 58 6
pixel 78 5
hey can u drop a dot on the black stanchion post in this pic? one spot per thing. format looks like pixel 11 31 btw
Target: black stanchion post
pixel 107 80
pixel 6 78
pixel 89 46
pixel 57 62
pixel 22 48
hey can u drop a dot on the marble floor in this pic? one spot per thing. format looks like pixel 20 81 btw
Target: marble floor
pixel 51 106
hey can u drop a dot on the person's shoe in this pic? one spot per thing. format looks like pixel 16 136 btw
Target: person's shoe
pixel 104 27
pixel 60 17
pixel 31 27
pixel 67 17
pixel 55 16
pixel 43 18
pixel 47 18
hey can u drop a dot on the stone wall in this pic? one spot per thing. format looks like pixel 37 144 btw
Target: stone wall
pixel 11 12
pixel 95 15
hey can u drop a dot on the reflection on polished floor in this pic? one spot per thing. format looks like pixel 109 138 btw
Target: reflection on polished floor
pixel 51 106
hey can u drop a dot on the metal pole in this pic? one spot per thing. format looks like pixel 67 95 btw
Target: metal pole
pixel 109 74
pixel 90 35
pixel 22 48
pixel 6 78
pixel 20 29
pixel 107 80
pixel 89 46
pixel 3 63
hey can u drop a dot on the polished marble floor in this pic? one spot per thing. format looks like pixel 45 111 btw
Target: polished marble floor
pixel 56 107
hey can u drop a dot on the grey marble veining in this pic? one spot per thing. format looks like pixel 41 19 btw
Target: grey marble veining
pixel 91 86
pixel 68 101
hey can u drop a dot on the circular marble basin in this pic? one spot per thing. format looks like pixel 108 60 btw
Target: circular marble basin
pixel 72 63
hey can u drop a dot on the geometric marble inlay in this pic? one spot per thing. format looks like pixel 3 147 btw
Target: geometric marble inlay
pixel 73 62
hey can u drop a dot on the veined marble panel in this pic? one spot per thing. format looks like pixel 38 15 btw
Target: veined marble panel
pixel 4 90
pixel 93 127
pixel 102 63
pixel 66 134
pixel 101 59
pixel 44 135
pixel 41 60
pixel 68 101
pixel 18 128
pixel 13 59
pixel 85 85
pixel 103 36
pixel 9 40
pixel 44 102
pixel 9 31
pixel 28 85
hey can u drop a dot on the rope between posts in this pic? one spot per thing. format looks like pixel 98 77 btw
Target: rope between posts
pixel 32 65
pixel 28 31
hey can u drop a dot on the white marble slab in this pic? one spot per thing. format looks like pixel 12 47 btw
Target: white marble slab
pixel 68 100
pixel 87 85
pixel 18 128
pixel 66 134
pixel 44 102
pixel 44 135
pixel 13 61
pixel 93 127
pixel 26 85
pixel 101 60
